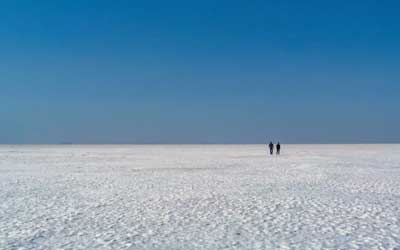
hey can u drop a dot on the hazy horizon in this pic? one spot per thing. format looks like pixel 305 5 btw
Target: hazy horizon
pixel 172 144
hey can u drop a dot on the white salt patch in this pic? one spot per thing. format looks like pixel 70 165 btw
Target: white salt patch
pixel 200 197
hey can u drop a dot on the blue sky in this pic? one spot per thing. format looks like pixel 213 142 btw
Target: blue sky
pixel 199 71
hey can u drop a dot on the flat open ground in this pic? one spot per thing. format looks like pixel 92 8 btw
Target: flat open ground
pixel 200 197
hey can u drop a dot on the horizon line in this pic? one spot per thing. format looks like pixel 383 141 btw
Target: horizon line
pixel 166 144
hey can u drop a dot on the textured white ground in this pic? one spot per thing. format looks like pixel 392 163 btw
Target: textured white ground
pixel 200 197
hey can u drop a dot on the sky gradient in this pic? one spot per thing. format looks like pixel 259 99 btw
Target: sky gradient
pixel 199 71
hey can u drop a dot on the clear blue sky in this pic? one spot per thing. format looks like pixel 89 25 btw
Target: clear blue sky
pixel 199 71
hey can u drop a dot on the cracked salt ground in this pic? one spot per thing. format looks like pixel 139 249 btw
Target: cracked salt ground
pixel 200 197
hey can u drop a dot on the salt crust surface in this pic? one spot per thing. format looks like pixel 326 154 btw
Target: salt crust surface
pixel 199 197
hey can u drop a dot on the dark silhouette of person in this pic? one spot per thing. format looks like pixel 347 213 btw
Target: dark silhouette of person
pixel 278 148
pixel 271 148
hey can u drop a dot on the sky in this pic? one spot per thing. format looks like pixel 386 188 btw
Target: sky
pixel 199 71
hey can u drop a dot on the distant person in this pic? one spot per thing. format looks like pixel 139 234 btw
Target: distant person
pixel 271 148
pixel 278 148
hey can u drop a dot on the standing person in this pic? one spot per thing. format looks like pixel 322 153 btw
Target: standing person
pixel 271 148
pixel 278 148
